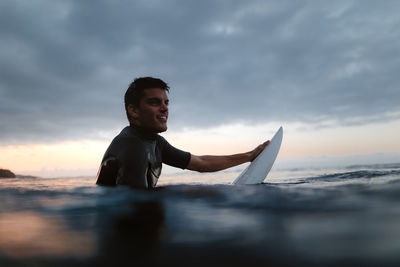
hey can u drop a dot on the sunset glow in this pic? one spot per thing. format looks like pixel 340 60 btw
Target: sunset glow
pixel 300 141
pixel 59 159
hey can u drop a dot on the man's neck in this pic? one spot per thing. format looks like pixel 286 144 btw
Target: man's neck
pixel 143 132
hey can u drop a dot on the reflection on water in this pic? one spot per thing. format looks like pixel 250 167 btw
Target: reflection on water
pixel 132 236
pixel 299 218
pixel 28 234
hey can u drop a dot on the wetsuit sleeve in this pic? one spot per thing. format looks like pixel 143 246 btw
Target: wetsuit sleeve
pixel 173 156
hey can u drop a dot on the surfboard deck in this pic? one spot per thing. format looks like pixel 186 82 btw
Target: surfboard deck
pixel 259 168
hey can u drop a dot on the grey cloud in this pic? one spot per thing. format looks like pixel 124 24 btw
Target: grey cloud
pixel 64 65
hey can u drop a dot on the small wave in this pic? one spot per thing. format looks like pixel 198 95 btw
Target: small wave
pixel 349 176
pixel 375 166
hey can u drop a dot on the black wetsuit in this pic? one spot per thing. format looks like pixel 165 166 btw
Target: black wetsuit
pixel 135 158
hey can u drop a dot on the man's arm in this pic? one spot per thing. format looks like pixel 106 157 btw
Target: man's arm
pixel 217 163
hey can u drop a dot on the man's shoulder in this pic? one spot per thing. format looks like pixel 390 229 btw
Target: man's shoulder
pixel 161 141
pixel 160 138
pixel 125 139
pixel 125 133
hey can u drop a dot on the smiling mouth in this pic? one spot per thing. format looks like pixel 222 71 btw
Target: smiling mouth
pixel 162 117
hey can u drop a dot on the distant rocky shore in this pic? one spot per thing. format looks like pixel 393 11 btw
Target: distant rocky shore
pixel 6 174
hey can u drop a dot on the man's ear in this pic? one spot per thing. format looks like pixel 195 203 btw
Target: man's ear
pixel 133 111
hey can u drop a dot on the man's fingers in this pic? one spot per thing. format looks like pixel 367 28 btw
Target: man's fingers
pixel 265 144
pixel 259 149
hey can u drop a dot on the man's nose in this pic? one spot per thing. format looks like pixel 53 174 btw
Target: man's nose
pixel 164 108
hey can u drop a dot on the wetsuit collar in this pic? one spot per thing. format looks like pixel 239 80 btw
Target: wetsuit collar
pixel 142 132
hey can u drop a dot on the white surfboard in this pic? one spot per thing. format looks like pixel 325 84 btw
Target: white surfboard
pixel 258 170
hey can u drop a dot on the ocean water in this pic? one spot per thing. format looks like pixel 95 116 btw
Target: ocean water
pixel 348 216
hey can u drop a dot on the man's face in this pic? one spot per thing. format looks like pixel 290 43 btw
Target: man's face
pixel 152 112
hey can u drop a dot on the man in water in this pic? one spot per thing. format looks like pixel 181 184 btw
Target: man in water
pixel 135 156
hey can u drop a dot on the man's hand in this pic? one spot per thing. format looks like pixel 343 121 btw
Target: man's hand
pixel 254 153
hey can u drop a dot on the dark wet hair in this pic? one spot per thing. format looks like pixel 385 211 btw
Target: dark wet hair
pixel 135 90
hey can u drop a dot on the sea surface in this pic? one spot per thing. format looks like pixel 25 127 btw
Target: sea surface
pixel 347 216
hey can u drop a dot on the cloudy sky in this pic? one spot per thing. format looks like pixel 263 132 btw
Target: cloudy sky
pixel 328 71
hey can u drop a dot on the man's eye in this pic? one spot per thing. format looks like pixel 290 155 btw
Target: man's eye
pixel 153 102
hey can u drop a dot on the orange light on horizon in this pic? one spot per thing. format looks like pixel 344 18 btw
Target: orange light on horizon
pixel 298 141
pixel 35 157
